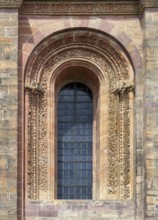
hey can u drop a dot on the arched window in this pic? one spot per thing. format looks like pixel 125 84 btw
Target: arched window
pixel 74 151
pixel 54 169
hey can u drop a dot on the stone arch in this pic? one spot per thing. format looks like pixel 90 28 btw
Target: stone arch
pixel 105 60
pixel 99 24
pixel 51 39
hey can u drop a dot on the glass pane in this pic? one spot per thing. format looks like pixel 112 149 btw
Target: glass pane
pixel 75 117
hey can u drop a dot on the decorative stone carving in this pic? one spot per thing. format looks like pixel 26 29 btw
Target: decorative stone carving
pixel 113 65
pixel 80 8
pixel 43 142
pixel 149 3
pixel 32 147
pixel 34 88
pixel 10 3
pixel 34 92
pixel 124 146
pixel 123 86
pixel 113 146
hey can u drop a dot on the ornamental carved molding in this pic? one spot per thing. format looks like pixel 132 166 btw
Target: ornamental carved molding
pixel 10 3
pixel 95 48
pixel 80 8
pixel 148 3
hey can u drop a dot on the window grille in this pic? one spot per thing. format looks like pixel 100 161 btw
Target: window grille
pixel 74 151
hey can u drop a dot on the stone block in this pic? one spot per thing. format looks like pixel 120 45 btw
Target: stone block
pixel 48 213
pixel 4 16
pixel 7 65
pixel 3 163
pixel 3 182
pixel 150 199
pixel 11 31
pixel 31 213
pixel 2 31
pixel 8 23
pixel 6 40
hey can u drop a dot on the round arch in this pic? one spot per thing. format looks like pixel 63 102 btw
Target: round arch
pixel 107 70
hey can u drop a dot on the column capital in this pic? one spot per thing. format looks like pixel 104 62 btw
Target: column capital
pixel 10 3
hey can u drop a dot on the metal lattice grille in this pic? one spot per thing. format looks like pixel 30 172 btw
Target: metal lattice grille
pixel 75 116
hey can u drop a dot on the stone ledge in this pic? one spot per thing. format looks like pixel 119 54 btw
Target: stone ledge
pixel 80 8
pixel 87 7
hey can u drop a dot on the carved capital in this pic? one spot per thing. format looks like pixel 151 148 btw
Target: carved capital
pixel 123 86
pixel 10 3
pixel 34 88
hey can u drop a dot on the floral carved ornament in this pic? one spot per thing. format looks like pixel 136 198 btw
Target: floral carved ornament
pixel 94 48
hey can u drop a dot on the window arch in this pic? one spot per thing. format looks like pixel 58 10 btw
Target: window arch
pixel 105 69
pixel 74 148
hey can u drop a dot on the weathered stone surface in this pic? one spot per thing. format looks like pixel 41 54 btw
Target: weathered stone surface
pixel 127 30
pixel 8 113
pixel 139 38
pixel 10 3
pixel 150 100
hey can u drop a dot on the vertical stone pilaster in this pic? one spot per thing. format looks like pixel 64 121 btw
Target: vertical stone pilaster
pixel 8 112
pixel 150 39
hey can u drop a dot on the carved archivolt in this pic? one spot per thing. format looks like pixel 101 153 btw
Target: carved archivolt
pixel 94 48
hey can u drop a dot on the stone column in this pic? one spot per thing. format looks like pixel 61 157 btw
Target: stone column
pixel 150 47
pixel 8 107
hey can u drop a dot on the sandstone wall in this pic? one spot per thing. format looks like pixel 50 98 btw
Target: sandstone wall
pixel 139 37
pixel 150 47
pixel 127 30
pixel 8 113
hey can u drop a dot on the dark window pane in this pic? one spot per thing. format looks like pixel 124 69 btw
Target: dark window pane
pixel 75 116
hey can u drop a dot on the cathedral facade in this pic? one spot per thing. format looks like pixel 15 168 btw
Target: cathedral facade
pixel 79 124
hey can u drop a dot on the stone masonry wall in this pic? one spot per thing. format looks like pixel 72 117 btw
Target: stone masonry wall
pixel 8 113
pixel 127 30
pixel 150 28
pixel 88 210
